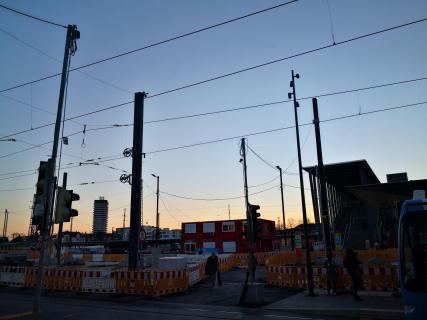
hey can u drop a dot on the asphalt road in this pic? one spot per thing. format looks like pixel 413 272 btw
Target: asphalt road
pixel 19 306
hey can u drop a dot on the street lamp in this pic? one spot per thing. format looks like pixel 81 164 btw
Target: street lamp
pixel 157 212
pixel 8 140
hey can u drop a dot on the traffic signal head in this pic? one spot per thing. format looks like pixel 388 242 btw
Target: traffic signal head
pixel 40 198
pixel 64 201
pixel 256 223
pixel 243 232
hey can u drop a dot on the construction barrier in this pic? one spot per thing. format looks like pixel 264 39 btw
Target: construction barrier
pixel 98 281
pixel 134 282
pixel 241 259
pixel 193 274
pixel 169 281
pixel 374 278
pixel 13 276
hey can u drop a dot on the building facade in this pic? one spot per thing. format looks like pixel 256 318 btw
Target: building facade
pixel 223 236
pixel 150 233
pixel 100 216
pixel 363 212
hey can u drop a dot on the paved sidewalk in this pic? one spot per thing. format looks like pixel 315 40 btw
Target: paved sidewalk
pixel 375 305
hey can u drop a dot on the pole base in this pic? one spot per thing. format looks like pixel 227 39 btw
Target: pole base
pixel 254 294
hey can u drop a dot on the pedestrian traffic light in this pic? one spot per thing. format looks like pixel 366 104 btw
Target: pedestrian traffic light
pixel 256 224
pixel 64 202
pixel 40 198
pixel 243 232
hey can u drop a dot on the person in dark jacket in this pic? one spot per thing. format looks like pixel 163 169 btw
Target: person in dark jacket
pixel 352 264
pixel 211 269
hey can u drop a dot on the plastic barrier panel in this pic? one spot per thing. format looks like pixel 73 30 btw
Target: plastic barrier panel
pixel 134 282
pixel 98 281
pixel 193 274
pixel 169 281
pixel 13 276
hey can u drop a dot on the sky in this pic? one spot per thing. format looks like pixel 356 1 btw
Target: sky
pixel 390 141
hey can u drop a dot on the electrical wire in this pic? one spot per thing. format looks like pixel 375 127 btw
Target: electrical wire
pixel 285 58
pixel 216 199
pixel 167 210
pixel 154 44
pixel 284 128
pixel 33 17
pixel 244 135
pixel 57 60
pixel 383 85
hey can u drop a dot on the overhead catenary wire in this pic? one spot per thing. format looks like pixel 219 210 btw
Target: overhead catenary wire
pixel 285 128
pixel 216 199
pixel 328 94
pixel 286 58
pixel 32 16
pixel 155 44
pixel 247 134
pixel 57 60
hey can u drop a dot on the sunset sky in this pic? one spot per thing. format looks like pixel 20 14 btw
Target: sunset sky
pixel 392 141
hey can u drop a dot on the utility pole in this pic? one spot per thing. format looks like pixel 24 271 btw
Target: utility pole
pixel 249 224
pixel 283 201
pixel 229 212
pixel 301 180
pixel 60 225
pixel 157 213
pixel 72 35
pixel 124 220
pixel 6 218
pixel 135 206
pixel 321 174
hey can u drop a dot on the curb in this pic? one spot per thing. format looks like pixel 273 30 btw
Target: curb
pixel 369 313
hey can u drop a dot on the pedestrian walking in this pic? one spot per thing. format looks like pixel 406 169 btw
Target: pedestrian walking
pixel 211 269
pixel 352 264
pixel 331 274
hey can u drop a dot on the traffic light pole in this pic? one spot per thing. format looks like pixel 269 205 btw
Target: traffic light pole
pixel 135 205
pixel 321 174
pixel 72 35
pixel 60 225
pixel 249 223
pixel 301 179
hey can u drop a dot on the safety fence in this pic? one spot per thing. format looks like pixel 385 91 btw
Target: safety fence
pixel 374 278
pixel 289 258
pixel 149 282
pixel 379 270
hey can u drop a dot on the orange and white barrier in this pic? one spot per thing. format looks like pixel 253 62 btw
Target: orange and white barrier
pixel 374 278
pixel 134 282
pixel 98 281
pixel 13 276
pixel 193 274
pixel 169 281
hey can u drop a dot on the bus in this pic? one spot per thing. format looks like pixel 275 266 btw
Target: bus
pixel 413 258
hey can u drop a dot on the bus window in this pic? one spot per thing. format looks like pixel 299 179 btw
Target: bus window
pixel 414 252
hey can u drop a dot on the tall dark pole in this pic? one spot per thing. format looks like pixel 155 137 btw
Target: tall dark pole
pixel 301 181
pixel 157 212
pixel 60 225
pixel 249 224
pixel 283 201
pixel 135 205
pixel 6 219
pixel 72 35
pixel 321 174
